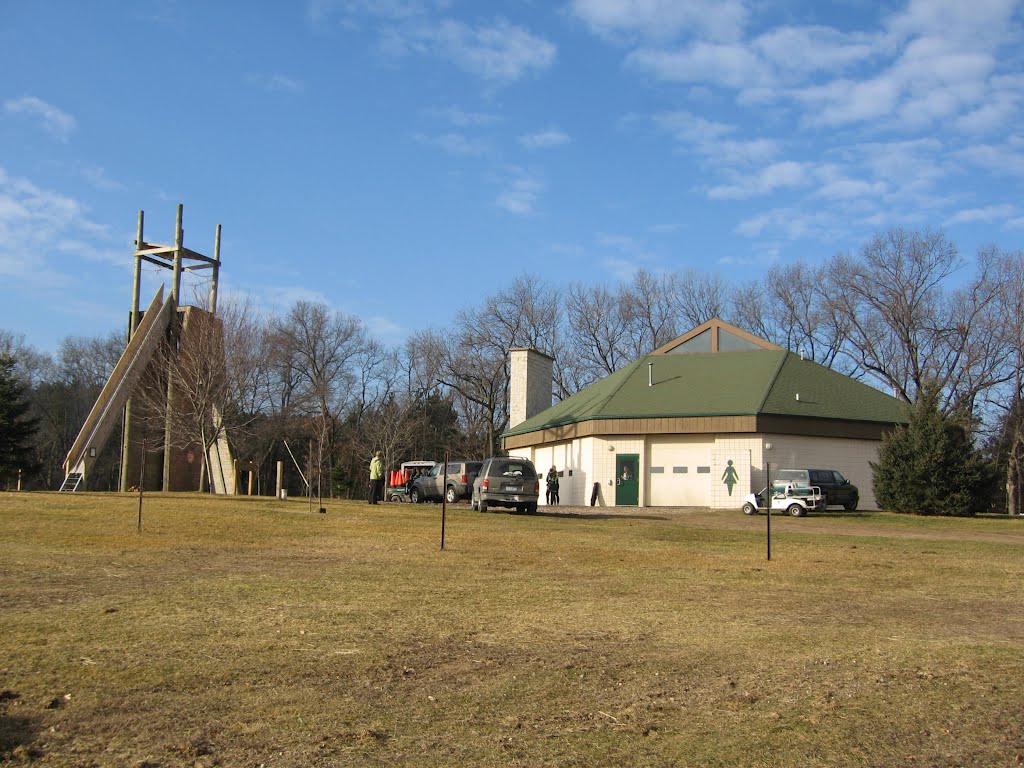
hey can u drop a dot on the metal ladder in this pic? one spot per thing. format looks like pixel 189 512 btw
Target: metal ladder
pixel 71 482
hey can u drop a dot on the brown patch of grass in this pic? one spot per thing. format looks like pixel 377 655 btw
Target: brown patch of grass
pixel 248 631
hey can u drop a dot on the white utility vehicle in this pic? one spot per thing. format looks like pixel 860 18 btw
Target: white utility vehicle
pixel 795 499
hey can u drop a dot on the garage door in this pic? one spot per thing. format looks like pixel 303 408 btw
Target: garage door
pixel 679 471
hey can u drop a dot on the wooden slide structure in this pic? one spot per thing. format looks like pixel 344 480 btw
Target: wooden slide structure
pixel 119 387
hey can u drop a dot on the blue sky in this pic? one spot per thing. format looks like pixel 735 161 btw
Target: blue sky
pixel 398 159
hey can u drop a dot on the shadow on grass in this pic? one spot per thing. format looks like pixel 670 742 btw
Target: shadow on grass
pixel 596 516
pixel 842 513
pixel 17 733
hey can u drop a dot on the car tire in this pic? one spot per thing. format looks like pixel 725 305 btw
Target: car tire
pixel 414 496
pixel 482 505
pixel 472 504
pixel 450 495
pixel 796 510
pixel 530 509
pixel 749 509
pixel 395 497
pixel 824 501
pixel 851 505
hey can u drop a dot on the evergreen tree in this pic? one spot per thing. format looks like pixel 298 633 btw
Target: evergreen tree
pixel 929 466
pixel 16 427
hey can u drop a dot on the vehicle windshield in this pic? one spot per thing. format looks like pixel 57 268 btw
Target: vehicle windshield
pixel 839 477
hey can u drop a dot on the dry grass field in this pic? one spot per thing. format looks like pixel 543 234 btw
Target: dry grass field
pixel 251 632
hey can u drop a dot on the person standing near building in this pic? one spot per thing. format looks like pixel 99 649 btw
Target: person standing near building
pixel 552 482
pixel 376 477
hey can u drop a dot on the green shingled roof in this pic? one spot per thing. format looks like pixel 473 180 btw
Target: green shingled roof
pixel 743 383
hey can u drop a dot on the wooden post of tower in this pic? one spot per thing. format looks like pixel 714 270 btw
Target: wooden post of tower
pixel 133 324
pixel 216 272
pixel 179 236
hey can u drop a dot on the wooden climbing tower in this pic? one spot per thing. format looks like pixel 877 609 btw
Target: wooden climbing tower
pixel 166 324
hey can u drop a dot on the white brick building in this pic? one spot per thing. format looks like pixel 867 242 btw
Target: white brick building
pixel 689 424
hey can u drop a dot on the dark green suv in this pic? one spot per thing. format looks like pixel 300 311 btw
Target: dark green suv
pixel 837 490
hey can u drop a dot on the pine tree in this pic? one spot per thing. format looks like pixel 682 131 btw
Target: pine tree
pixel 16 427
pixel 930 467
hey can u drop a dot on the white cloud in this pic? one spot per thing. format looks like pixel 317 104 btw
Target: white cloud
pixel 726 65
pixel 936 63
pixel 385 329
pixel 663 19
pixel 790 224
pixel 798 52
pixel 848 101
pixel 661 229
pixel 760 68
pixel 1001 105
pixel 621 269
pixel 283 297
pixel 692 129
pixel 622 243
pixel 850 189
pixel 321 11
pixel 277 83
pixel 59 124
pixel 988 214
pixel 80 248
pixel 977 23
pixel 36 223
pixel 520 193
pixel 463 119
pixel 1001 160
pixel 783 175
pixel 499 52
pixel 98 178
pixel 454 143
pixel 544 139
pixel 900 162
pixel 708 139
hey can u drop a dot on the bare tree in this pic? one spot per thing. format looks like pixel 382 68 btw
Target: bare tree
pixel 318 354
pixel 901 326
pixel 596 332
pixel 651 310
pixel 201 386
pixel 471 360
pixel 473 367
pixel 65 391
pixel 1007 399
pixel 791 308
pixel 701 297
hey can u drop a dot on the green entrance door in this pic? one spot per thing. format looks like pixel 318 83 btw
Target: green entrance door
pixel 627 479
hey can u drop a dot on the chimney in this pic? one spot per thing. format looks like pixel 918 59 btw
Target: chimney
pixel 529 387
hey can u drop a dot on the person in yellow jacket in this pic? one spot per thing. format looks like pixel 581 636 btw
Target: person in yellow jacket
pixel 376 477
